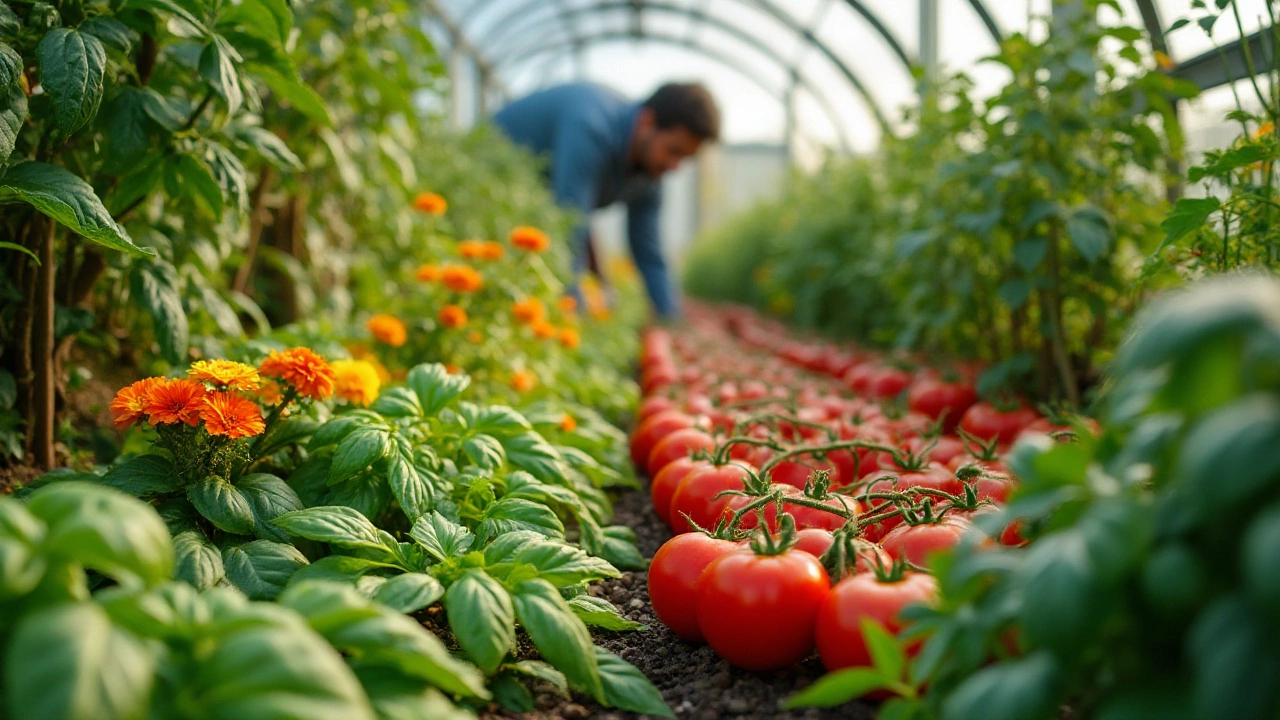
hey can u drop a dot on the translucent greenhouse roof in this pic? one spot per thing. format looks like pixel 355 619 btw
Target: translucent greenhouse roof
pixel 831 72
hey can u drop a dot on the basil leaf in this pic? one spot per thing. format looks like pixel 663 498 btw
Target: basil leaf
pixel 482 619
pixel 261 569
pixel 561 638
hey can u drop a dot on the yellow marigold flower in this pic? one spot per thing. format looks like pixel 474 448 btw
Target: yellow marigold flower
pixel 567 304
pixel 523 381
pixel 127 406
pixel 356 381
pixel 362 352
pixel 461 278
pixel 1265 129
pixel 567 423
pixel 530 310
pixel 453 317
pixel 302 368
pixel 227 414
pixel 387 329
pixel 493 250
pixel 174 401
pixel 570 338
pixel 225 374
pixel 427 273
pixel 430 203
pixel 530 238
pixel 543 329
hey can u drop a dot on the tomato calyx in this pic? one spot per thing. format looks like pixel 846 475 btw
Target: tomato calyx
pixel 765 544
pixel 721 456
pixel 841 559
pixel 984 450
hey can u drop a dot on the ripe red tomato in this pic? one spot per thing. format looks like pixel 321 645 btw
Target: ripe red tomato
pixel 888 382
pixel 653 405
pixel 939 399
pixel 653 429
pixel 814 541
pixel 993 487
pixel 664 484
pixel 695 496
pixel 796 471
pixel 751 520
pixel 758 612
pixel 673 576
pixel 839 625
pixel 984 421
pixel 916 542
pixel 807 517
pixel 678 445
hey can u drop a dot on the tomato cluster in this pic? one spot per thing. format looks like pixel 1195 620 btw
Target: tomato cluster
pixel 808 484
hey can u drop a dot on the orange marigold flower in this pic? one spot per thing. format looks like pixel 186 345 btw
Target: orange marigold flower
pixel 530 238
pixel 471 249
pixel 356 381
pixel 301 367
pixel 228 414
pixel 387 329
pixel 430 203
pixel 270 393
pixel 461 278
pixel 570 338
pixel 493 250
pixel 523 380
pixel 174 401
pixel 225 373
pixel 127 407
pixel 452 369
pixel 427 273
pixel 567 304
pixel 529 310
pixel 1265 129
pixel 452 316
pixel 567 423
pixel 544 329
pixel 475 337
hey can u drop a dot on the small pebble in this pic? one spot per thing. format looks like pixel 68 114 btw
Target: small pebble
pixel 635 604
pixel 573 711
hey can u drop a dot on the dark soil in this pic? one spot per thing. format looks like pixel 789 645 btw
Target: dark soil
pixel 694 681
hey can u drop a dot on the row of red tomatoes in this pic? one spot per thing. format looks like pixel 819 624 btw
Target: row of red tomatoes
pixel 745 431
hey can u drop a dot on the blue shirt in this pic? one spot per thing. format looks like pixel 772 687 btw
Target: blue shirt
pixel 586 131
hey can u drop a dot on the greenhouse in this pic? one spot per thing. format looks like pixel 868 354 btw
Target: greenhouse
pixel 705 359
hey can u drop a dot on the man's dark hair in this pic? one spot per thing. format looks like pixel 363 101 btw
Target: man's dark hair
pixel 687 105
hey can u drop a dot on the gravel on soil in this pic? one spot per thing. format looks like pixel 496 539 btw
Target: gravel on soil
pixel 695 682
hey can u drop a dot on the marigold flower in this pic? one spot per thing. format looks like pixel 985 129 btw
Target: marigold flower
pixel 427 273
pixel 530 238
pixel 430 203
pixel 543 329
pixel 567 304
pixel 356 381
pixel 228 414
pixel 475 337
pixel 523 381
pixel 362 352
pixel 225 373
pixel 493 250
pixel 567 423
pixel 270 393
pixel 1265 129
pixel 174 401
pixel 301 367
pixel 461 278
pixel 471 249
pixel 452 369
pixel 1164 61
pixel 452 316
pixel 530 310
pixel 387 329
pixel 570 338
pixel 127 406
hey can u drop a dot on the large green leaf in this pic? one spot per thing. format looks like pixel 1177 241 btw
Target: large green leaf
pixel 1090 232
pixel 413 491
pixel 511 514
pixel 187 176
pixel 143 476
pixel 223 505
pixel 218 68
pixel 561 638
pixel 261 569
pixel 440 537
pixel 290 89
pixel 336 525
pixel 197 561
pixel 601 613
pixel 435 387
pixel 155 287
pixel 482 619
pixel 269 497
pixel 561 564
pixel 410 592
pixel 13 101
pixel 1013 690
pixel 1188 214
pixel 361 448
pixel 485 451
pixel 626 688
pixel 71 69
pixel 22 565
pixel 70 662
pixel 58 193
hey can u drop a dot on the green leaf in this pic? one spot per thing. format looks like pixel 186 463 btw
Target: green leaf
pixel 435 387
pixel 563 565
pixel 622 552
pixel 441 537
pixel 361 448
pixel 69 662
pixel 499 421
pixel 1228 161
pixel 1015 292
pixel 218 68
pixel 540 671
pixel 269 19
pixel 511 514
pixel 335 525
pixel 22 565
pixel 110 31
pixel 485 451
pixel 626 688
pixel 511 695
pixel 104 529
pixel 229 173
pixel 914 241
pixel 155 288
pixel 561 638
pixel 1229 458
pixel 197 561
pixel 332 432
pixel 13 101
pixel 186 24
pixel 838 688
pixel 143 476
pixel 187 176
pixel 1060 592
pixel 223 505
pixel 56 192
pixel 413 491
pixel 261 569
pixel 338 568
pixel 533 454
pixel 410 592
pixel 293 92
pixel 886 655
pixel 269 497
pixel 71 69
pixel 1188 215
pixel 601 613
pixel 21 249
pixel 482 619
pixel 286 433
pixel 397 402
pixel 1030 252
pixel 10 23
pixel 1089 232
pixel 1014 690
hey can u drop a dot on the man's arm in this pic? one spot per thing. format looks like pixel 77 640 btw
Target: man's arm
pixel 642 234
pixel 576 165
